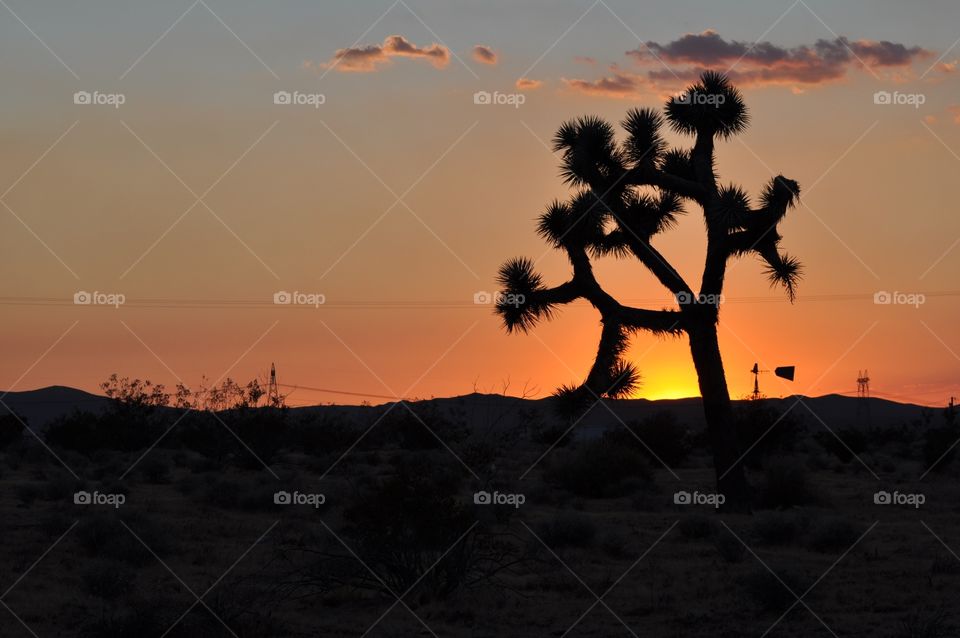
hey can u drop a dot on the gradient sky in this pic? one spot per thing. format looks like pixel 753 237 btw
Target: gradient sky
pixel 398 198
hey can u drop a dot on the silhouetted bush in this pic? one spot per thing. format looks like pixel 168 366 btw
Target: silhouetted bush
pixel 939 447
pixel 776 528
pixel 27 493
pixel 834 534
pixel 417 426
pixel 596 469
pixel 660 436
pixel 696 527
pixel 764 430
pixel 771 593
pixel 786 484
pixel 400 524
pixel 155 468
pixel 87 432
pixel 730 548
pixel 567 529
pixel 925 623
pixel 851 442
pixel 11 430
pixel 324 434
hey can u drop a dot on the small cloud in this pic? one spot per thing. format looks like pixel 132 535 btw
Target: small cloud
pixel 585 59
pixel 930 119
pixel 618 85
pixel 367 59
pixel 954 111
pixel 484 54
pixel 526 84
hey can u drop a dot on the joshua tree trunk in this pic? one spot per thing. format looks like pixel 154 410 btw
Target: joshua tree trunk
pixel 731 481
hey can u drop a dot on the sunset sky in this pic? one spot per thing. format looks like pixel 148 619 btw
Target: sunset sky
pixel 397 198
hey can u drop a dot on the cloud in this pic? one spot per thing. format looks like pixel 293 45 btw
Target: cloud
pixel 484 54
pixel 954 111
pixel 526 84
pixel 664 68
pixel 768 63
pixel 370 58
pixel 619 85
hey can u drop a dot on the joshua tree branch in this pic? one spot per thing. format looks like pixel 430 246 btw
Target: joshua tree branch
pixel 657 321
pixel 649 176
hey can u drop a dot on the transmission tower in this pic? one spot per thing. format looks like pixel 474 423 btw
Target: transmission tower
pixel 273 390
pixel 863 397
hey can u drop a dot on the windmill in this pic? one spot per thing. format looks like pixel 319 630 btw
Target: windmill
pixel 784 372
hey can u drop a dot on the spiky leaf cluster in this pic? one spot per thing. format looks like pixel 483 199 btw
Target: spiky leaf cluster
pixel 590 155
pixel 712 105
pixel 519 304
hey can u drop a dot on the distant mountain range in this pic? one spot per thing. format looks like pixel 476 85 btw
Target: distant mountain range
pixel 40 407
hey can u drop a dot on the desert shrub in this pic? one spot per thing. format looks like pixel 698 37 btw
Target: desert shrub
pixel 925 623
pixel 155 468
pixel 938 447
pixel 11 430
pixel 614 544
pixel 730 548
pixel 833 534
pixel 27 493
pixel 97 532
pixel 766 591
pixel 324 434
pixel 660 436
pixel 847 443
pixel 696 527
pixel 223 492
pixel 765 430
pixel 106 579
pixel 402 523
pixel 86 432
pixel 596 469
pixel 776 528
pixel 786 483
pixel 417 426
pixel 556 434
pixel 260 435
pixel 61 486
pixel 567 529
pixel 103 534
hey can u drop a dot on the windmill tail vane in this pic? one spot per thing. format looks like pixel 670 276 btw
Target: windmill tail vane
pixel 784 372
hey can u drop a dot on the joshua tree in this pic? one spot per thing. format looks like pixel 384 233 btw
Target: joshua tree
pixel 626 193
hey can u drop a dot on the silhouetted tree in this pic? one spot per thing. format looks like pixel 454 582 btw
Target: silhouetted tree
pixel 626 194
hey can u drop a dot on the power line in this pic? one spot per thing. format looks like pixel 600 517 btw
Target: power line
pixel 183 303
